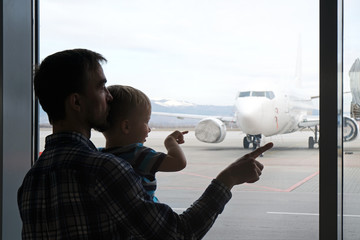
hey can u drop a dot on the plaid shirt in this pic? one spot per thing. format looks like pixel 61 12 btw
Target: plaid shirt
pixel 73 191
pixel 144 160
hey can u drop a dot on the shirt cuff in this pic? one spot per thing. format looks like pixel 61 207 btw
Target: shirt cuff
pixel 219 194
pixel 222 187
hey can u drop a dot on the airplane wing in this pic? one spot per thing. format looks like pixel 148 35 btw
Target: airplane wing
pixel 226 119
pixel 309 121
pixel 350 126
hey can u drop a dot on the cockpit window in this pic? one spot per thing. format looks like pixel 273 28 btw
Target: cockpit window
pixel 270 95
pixel 244 94
pixel 258 94
pixel 267 94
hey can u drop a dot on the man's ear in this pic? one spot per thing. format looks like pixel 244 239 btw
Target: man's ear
pixel 74 102
pixel 125 126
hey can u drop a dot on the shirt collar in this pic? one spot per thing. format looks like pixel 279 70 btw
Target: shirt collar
pixel 66 137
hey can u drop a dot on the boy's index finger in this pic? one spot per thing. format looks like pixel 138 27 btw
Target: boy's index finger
pixel 185 132
pixel 260 150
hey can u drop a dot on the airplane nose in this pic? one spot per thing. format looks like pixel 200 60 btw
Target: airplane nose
pixel 250 118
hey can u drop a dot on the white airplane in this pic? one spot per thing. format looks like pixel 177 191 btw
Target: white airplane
pixel 258 112
pixel 266 112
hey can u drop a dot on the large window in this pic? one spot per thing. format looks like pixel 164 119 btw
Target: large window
pixel 196 57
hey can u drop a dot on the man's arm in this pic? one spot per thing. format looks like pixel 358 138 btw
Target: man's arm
pixel 122 197
pixel 146 219
pixel 175 159
pixel 245 169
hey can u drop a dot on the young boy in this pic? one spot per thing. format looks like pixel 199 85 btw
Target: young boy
pixel 127 131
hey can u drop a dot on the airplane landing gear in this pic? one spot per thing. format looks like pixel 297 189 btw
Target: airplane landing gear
pixel 252 139
pixel 312 141
pixel 246 143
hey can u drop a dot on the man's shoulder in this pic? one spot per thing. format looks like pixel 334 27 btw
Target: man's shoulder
pixel 106 161
pixel 109 158
pixel 82 160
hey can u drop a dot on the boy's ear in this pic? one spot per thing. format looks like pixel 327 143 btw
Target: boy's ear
pixel 74 102
pixel 125 126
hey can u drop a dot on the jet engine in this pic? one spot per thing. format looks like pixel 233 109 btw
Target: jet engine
pixel 350 129
pixel 210 130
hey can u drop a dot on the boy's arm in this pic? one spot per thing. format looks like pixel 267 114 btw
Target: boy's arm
pixel 175 159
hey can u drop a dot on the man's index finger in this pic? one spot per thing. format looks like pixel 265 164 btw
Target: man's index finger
pixel 260 150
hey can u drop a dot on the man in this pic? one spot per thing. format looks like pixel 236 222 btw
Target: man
pixel 73 191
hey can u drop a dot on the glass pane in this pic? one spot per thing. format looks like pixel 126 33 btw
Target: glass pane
pixel 351 190
pixel 194 57
pixel 258 94
pixel 244 94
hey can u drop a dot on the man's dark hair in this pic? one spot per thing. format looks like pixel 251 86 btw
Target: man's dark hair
pixel 62 74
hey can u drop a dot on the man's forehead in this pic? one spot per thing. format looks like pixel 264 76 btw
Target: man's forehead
pixel 100 70
pixel 98 76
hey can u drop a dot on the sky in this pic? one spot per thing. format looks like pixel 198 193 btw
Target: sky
pixel 202 51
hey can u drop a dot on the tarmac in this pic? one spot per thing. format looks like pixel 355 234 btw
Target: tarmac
pixel 283 204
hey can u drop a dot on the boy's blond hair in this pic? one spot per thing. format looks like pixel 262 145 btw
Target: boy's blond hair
pixel 125 100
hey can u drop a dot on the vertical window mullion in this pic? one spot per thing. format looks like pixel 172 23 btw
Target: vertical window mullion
pixel 330 119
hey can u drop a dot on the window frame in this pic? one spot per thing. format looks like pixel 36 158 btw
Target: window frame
pixel 330 151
